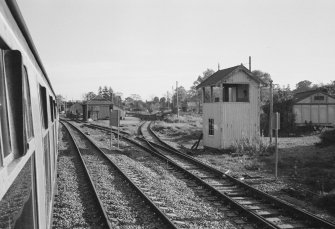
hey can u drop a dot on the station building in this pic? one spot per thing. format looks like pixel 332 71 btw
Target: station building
pixel 231 107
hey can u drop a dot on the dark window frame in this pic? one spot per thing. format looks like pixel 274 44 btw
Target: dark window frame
pixel 226 96
pixel 319 98
pixel 211 127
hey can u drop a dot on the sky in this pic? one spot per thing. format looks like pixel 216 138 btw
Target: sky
pixel 144 47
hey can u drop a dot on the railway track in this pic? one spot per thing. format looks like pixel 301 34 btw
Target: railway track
pixel 138 193
pixel 218 220
pixel 250 207
pixel 82 192
pixel 267 210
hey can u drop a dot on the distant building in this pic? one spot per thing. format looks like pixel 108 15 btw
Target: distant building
pixel 76 109
pixel 314 107
pixel 231 107
pixel 99 108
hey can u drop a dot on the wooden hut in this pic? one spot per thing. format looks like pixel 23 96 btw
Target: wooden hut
pixel 99 108
pixel 231 107
pixel 314 107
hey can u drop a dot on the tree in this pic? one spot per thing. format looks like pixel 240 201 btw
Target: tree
pixel 196 95
pixel 59 99
pixel 193 91
pixel 155 100
pixel 89 95
pixel 105 92
pixel 182 95
pixel 264 76
pixel 282 103
pixel 162 102
pixel 135 97
pixel 100 91
pixel 330 88
pixel 303 86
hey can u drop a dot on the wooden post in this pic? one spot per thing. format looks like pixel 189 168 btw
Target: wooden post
pixel 249 63
pixel 271 111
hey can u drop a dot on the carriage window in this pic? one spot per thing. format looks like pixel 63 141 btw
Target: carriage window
pixel 6 147
pixel 28 118
pixel 18 207
pixel 51 109
pixel 44 106
pixel 14 84
pixel 210 126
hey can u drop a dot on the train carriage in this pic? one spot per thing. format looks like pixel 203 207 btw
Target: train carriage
pixel 28 128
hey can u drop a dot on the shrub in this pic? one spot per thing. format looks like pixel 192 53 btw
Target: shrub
pixel 327 137
pixel 247 146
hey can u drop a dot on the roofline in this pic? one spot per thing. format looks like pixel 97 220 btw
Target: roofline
pixel 238 67
pixel 16 13
pixel 314 92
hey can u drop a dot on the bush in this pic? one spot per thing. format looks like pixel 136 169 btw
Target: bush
pixel 327 137
pixel 247 146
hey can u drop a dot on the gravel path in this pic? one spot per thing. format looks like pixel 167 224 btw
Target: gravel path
pixel 124 207
pixel 75 205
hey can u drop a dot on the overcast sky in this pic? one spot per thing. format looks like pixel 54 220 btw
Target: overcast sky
pixel 144 47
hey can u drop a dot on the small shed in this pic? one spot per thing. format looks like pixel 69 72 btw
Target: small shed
pixel 99 108
pixel 314 107
pixel 231 107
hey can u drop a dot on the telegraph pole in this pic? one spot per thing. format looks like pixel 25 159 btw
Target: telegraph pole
pixel 177 99
pixel 271 111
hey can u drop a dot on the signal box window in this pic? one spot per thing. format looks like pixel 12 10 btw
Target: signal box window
pixel 235 93
pixel 210 126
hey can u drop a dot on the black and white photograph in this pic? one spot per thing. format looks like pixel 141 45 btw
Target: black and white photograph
pixel 152 114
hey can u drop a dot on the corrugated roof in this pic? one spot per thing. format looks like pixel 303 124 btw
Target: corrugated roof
pixel 224 74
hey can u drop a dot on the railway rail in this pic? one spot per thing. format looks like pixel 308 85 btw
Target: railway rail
pixel 93 211
pixel 262 207
pixel 165 219
pixel 237 198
